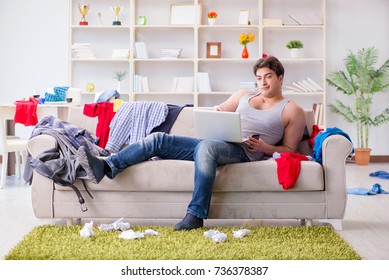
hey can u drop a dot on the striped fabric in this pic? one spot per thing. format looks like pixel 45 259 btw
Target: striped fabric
pixel 134 121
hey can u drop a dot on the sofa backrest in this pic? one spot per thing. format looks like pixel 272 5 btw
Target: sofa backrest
pixel 184 124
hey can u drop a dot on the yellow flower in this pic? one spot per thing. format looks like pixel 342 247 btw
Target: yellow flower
pixel 244 39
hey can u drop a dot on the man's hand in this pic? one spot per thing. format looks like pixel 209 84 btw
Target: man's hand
pixel 254 143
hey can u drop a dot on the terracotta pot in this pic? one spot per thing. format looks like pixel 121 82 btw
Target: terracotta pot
pixel 362 156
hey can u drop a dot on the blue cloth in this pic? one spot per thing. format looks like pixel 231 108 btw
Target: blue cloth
pixel 376 189
pixel 58 94
pixel 380 174
pixel 319 139
pixel 107 95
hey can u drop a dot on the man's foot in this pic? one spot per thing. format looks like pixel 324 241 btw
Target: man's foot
pixel 189 222
pixel 93 166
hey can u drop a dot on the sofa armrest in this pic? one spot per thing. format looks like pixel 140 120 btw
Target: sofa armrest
pixel 40 143
pixel 41 187
pixel 335 150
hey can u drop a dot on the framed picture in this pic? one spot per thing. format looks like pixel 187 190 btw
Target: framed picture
pixel 184 14
pixel 244 17
pixel 214 49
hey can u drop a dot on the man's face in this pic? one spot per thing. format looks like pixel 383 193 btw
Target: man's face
pixel 268 82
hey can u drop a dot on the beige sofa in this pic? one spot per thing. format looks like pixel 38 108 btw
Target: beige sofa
pixel 162 189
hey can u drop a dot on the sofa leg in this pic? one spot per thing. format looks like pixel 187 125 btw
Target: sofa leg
pixel 69 221
pixel 306 222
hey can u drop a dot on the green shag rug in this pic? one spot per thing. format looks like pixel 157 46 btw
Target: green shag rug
pixel 263 243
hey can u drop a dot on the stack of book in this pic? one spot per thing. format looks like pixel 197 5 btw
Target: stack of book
pixel 140 84
pixel 140 50
pixel 82 50
pixel 306 85
pixel 170 53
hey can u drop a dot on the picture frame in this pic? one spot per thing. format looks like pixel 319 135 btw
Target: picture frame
pixel 214 49
pixel 185 14
pixel 244 17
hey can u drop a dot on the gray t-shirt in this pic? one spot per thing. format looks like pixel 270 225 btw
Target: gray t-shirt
pixel 267 123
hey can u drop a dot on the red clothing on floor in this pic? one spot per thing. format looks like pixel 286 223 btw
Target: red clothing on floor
pixel 288 168
pixel 25 112
pixel 105 113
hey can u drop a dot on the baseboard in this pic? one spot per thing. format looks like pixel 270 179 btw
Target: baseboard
pixel 375 159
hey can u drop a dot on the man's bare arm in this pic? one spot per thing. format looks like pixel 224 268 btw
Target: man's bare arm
pixel 232 102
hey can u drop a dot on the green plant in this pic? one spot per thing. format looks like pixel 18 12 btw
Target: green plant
pixel 119 76
pixel 361 82
pixel 294 44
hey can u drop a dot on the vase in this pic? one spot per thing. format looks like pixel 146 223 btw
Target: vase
pixel 295 53
pixel 211 21
pixel 245 52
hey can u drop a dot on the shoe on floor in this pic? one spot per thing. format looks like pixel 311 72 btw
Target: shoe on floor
pixel 189 222
pixel 93 166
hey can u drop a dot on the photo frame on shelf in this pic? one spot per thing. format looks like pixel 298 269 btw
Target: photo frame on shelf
pixel 185 14
pixel 244 17
pixel 214 49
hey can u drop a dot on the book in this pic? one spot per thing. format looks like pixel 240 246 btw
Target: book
pixel 318 88
pixel 272 21
pixel 203 82
pixel 140 50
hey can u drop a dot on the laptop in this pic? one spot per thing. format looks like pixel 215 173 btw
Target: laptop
pixel 225 126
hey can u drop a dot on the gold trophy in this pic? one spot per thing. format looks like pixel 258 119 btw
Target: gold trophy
pixel 83 11
pixel 116 10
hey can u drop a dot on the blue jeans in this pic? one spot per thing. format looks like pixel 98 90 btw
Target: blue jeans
pixel 207 155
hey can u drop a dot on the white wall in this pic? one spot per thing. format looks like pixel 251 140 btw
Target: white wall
pixel 34 52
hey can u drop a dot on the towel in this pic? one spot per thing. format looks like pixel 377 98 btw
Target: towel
pixel 380 174
pixel 25 112
pixel 376 189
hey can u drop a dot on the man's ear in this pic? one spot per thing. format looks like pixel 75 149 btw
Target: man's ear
pixel 281 78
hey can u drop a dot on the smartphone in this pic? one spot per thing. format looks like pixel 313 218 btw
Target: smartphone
pixel 256 136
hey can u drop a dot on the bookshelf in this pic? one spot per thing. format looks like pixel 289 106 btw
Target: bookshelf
pixel 270 20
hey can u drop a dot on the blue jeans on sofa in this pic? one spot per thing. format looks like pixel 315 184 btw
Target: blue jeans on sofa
pixel 206 154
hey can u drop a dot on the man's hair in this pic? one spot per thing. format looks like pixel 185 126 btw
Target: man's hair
pixel 270 62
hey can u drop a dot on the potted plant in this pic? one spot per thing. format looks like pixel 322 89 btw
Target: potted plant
pixel 244 39
pixel 294 47
pixel 361 82
pixel 212 18
pixel 119 76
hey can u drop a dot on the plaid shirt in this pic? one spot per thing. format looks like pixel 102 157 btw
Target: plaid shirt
pixel 134 121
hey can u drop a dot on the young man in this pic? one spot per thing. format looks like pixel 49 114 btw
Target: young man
pixel 265 113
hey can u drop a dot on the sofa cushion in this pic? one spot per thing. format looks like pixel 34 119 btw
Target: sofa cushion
pixel 241 177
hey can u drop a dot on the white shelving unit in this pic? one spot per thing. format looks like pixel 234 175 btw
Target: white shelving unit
pixel 225 73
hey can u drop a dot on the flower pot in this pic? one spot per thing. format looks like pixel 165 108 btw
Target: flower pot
pixel 295 53
pixel 211 21
pixel 362 156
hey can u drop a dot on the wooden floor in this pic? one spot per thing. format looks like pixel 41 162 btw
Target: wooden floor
pixel 365 226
